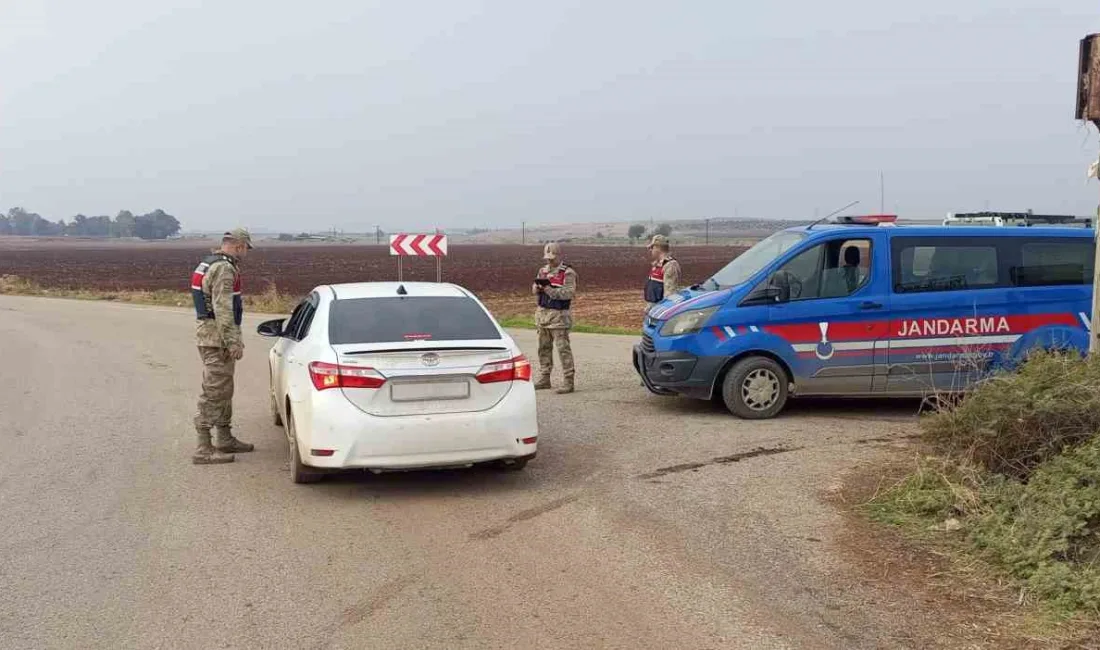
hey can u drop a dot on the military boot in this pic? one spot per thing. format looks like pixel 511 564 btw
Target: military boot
pixel 543 383
pixel 566 387
pixel 206 454
pixel 227 444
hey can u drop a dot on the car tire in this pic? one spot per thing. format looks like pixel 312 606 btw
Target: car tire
pixel 755 388
pixel 275 417
pixel 511 465
pixel 300 473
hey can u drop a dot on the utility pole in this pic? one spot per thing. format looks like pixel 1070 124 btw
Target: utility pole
pixel 377 235
pixel 881 193
pixel 707 221
pixel 523 233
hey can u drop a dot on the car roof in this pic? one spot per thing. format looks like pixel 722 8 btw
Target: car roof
pixel 357 290
pixel 903 230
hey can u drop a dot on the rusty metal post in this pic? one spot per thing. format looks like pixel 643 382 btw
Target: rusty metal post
pixel 1088 108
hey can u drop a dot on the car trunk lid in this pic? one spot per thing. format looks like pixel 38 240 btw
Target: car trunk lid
pixel 426 377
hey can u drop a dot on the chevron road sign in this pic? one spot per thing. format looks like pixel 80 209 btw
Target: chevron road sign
pixel 418 245
pixel 402 246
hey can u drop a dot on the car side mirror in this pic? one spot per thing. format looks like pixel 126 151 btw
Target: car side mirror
pixel 271 328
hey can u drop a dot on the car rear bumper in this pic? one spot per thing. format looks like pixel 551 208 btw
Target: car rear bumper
pixel 675 372
pixel 359 440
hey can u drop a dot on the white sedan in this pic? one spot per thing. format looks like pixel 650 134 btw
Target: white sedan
pixel 395 376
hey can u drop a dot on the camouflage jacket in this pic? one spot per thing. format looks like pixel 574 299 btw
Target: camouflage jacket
pixel 555 301
pixel 220 281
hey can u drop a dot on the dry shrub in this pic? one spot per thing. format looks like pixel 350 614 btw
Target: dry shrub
pixel 1012 422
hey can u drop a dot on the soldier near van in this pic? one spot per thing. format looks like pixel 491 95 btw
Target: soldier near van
pixel 664 272
pixel 555 286
pixel 216 290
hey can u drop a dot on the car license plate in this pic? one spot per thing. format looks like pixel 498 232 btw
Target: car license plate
pixel 420 391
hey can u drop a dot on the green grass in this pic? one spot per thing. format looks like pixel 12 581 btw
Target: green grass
pixel 1011 479
pixel 528 322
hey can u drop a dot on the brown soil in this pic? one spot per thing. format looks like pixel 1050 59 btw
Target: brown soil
pixel 609 287
pixel 297 269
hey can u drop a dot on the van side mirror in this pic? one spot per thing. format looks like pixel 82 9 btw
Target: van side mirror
pixel 271 328
pixel 765 294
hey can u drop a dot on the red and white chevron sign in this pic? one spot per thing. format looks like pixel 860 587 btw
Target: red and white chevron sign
pixel 418 245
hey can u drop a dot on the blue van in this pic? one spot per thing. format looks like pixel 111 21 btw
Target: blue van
pixel 864 307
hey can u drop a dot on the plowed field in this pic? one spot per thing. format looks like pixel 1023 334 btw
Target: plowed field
pixel 610 278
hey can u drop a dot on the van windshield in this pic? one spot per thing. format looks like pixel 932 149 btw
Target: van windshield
pixel 745 265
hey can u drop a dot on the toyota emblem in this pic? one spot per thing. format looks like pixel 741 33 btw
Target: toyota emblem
pixel 430 359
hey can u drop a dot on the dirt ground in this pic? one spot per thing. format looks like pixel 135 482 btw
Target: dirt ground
pixel 610 278
pixel 297 268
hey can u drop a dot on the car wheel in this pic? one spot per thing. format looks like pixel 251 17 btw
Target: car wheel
pixel 299 472
pixel 755 388
pixel 511 464
pixel 275 417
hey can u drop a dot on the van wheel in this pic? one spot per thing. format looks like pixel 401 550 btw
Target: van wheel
pixel 755 388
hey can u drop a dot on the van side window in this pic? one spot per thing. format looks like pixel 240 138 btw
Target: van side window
pixel 1053 262
pixel 944 264
pixel 833 269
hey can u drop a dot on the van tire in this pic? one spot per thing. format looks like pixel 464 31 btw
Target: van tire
pixel 755 388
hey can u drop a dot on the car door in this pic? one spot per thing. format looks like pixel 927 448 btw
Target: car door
pixel 831 309
pixel 286 351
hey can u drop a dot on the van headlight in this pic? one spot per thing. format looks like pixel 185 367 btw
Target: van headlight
pixel 688 322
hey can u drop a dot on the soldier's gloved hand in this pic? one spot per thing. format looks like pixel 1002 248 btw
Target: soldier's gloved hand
pixel 237 352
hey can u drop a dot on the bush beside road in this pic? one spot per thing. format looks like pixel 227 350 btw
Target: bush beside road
pixel 1010 481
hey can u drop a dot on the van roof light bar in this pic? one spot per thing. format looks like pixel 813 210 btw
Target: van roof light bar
pixel 868 219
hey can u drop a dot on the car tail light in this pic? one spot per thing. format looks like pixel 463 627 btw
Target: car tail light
pixel 514 369
pixel 331 375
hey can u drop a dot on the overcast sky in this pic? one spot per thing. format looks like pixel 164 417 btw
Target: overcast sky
pixel 458 113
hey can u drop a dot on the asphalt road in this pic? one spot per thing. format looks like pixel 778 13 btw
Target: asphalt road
pixel 646 522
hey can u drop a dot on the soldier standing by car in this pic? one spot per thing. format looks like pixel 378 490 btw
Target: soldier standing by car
pixel 664 272
pixel 216 290
pixel 555 286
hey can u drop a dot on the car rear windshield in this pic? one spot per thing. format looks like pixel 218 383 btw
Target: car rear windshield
pixel 388 320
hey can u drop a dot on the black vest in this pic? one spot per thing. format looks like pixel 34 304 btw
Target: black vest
pixel 655 283
pixel 557 280
pixel 204 303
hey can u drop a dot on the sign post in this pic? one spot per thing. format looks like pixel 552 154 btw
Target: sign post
pixel 404 245
pixel 1094 341
pixel 1088 109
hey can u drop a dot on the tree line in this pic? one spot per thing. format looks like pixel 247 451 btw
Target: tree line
pixel 153 225
pixel 637 231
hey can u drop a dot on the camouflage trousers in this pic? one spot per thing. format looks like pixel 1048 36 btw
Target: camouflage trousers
pixel 216 401
pixel 548 339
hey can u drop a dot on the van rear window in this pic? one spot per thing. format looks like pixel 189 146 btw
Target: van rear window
pixel 390 320
pixel 1054 262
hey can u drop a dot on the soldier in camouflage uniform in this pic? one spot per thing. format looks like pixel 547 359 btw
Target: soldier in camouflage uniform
pixel 664 272
pixel 216 289
pixel 555 285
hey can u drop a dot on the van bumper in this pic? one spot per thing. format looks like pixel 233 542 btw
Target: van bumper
pixel 677 373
